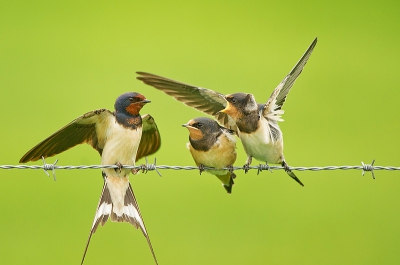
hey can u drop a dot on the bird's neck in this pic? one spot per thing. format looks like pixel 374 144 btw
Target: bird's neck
pixel 248 123
pixel 128 120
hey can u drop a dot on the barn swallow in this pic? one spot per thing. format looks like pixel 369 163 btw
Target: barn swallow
pixel 121 137
pixel 255 124
pixel 212 145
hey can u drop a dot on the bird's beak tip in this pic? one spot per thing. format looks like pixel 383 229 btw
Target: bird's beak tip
pixel 221 111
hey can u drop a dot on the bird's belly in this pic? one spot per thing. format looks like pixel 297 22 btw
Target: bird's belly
pixel 221 155
pixel 121 147
pixel 260 146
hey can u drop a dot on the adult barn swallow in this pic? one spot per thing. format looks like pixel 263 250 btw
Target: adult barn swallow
pixel 212 145
pixel 121 137
pixel 256 124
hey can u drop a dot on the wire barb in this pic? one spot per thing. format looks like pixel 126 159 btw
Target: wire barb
pixel 368 167
pixel 154 167
pixel 262 167
pixel 150 167
pixel 49 167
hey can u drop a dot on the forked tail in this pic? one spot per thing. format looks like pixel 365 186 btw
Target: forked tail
pixel 291 174
pixel 227 181
pixel 129 212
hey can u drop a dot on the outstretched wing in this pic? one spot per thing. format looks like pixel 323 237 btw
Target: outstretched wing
pixel 89 128
pixel 205 100
pixel 272 109
pixel 151 139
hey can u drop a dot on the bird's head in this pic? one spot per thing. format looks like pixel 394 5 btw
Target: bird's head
pixel 130 102
pixel 202 127
pixel 239 104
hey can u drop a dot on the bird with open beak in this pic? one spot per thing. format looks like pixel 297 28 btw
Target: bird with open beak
pixel 256 124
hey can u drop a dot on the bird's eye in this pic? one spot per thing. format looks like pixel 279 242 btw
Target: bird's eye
pixel 131 99
pixel 233 100
pixel 198 125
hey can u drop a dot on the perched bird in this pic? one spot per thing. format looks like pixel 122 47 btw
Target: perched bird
pixel 121 138
pixel 212 145
pixel 256 124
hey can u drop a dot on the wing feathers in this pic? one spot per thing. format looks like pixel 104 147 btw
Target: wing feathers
pixel 205 100
pixel 151 138
pixel 202 99
pixel 278 96
pixel 89 128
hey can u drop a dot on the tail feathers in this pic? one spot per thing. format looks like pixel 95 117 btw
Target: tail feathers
pixel 130 214
pixel 103 211
pixel 133 216
pixel 228 183
pixel 131 211
pixel 291 174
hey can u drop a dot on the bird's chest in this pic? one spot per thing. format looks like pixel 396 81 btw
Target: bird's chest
pixel 121 147
pixel 220 155
pixel 260 144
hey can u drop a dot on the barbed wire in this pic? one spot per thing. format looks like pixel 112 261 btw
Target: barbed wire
pixel 154 167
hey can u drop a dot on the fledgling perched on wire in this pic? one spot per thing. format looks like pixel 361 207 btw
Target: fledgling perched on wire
pixel 212 145
pixel 255 124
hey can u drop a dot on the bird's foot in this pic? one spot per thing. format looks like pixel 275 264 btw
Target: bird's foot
pixel 286 166
pixel 246 166
pixel 143 168
pixel 230 169
pixel 119 167
pixel 135 170
pixel 201 168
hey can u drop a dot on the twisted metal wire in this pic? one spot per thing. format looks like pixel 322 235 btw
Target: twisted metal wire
pixel 154 167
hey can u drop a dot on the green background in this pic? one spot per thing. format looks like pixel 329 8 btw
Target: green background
pixel 59 60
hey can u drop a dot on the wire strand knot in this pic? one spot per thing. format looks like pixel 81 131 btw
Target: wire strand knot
pixel 368 167
pixel 51 167
pixel 150 167
pixel 262 167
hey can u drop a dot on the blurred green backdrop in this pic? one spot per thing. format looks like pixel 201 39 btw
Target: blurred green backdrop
pixel 59 60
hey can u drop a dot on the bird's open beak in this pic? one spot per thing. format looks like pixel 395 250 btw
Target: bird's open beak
pixel 221 111
pixel 227 110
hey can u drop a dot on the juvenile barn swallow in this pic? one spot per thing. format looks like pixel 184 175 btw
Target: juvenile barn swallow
pixel 212 145
pixel 121 137
pixel 255 124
